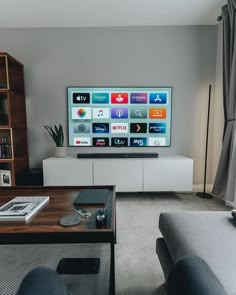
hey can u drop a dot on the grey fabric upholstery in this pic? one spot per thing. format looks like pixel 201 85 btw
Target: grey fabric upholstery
pixel 42 281
pixel 209 235
pixel 164 257
pixel 192 275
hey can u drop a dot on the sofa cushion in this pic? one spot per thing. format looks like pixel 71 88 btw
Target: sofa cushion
pixel 210 235
pixel 192 275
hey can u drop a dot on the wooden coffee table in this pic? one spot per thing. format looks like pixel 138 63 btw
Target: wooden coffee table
pixel 44 227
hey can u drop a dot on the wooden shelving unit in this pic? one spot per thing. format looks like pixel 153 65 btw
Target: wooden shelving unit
pixel 13 124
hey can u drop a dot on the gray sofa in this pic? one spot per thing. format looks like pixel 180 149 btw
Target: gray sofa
pixel 210 235
pixel 193 276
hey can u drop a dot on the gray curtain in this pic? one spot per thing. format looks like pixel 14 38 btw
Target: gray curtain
pixel 225 181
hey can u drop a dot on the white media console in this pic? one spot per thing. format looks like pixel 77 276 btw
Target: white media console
pixel 166 173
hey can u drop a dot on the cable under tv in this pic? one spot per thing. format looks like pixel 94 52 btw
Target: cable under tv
pixel 116 155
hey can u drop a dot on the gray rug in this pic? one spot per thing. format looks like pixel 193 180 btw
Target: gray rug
pixel 18 260
pixel 137 267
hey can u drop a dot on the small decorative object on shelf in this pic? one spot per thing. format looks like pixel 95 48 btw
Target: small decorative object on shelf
pixel 60 152
pixel 57 135
pixel 5 149
pixel 5 178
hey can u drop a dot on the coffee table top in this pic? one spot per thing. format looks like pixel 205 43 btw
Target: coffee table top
pixel 44 226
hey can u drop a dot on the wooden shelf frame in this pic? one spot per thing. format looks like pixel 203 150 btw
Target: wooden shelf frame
pixel 13 122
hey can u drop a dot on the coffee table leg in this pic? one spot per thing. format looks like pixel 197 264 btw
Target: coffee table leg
pixel 112 270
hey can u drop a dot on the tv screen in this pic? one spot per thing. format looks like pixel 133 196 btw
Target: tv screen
pixel 119 116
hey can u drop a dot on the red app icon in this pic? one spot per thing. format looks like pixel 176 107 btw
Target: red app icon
pixel 119 98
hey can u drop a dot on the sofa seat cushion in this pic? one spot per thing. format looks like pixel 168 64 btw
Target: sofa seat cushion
pixel 210 235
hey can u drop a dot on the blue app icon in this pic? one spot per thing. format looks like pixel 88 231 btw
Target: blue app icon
pixel 100 98
pixel 100 127
pixel 158 97
pixel 157 128
pixel 138 141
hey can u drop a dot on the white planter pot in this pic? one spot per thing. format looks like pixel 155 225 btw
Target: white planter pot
pixel 60 152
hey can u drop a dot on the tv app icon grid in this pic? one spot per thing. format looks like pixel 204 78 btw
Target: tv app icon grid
pixel 119 116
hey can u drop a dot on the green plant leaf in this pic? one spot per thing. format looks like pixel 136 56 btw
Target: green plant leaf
pixel 56 133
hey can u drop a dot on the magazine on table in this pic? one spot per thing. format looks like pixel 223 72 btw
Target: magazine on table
pixel 22 208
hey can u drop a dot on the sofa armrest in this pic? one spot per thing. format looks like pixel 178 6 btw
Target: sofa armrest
pixel 192 275
pixel 164 257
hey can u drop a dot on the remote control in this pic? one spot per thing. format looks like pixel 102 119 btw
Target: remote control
pixel 83 212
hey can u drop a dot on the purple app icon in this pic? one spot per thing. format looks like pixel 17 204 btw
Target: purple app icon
pixel 119 113
pixel 138 97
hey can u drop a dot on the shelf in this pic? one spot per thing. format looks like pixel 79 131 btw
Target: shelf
pixel 4 127
pixel 13 124
pixel 11 60
pixel 11 73
pixel 7 127
pixel 6 90
pixel 4 109
pixel 12 106
pixel 4 160
pixel 18 159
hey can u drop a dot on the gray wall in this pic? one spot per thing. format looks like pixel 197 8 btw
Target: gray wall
pixel 181 57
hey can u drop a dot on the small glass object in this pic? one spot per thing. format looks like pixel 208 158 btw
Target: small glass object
pixel 5 149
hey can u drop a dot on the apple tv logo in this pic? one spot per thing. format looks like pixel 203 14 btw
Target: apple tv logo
pixel 79 98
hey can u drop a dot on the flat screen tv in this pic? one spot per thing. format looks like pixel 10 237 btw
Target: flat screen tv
pixel 119 116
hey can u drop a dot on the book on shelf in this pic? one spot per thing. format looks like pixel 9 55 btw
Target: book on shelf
pixel 22 208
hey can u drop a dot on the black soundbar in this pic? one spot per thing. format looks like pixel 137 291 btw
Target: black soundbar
pixel 117 155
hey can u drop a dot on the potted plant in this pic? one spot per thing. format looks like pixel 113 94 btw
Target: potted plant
pixel 57 135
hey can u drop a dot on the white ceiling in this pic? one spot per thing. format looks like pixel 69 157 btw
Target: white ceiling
pixel 107 13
